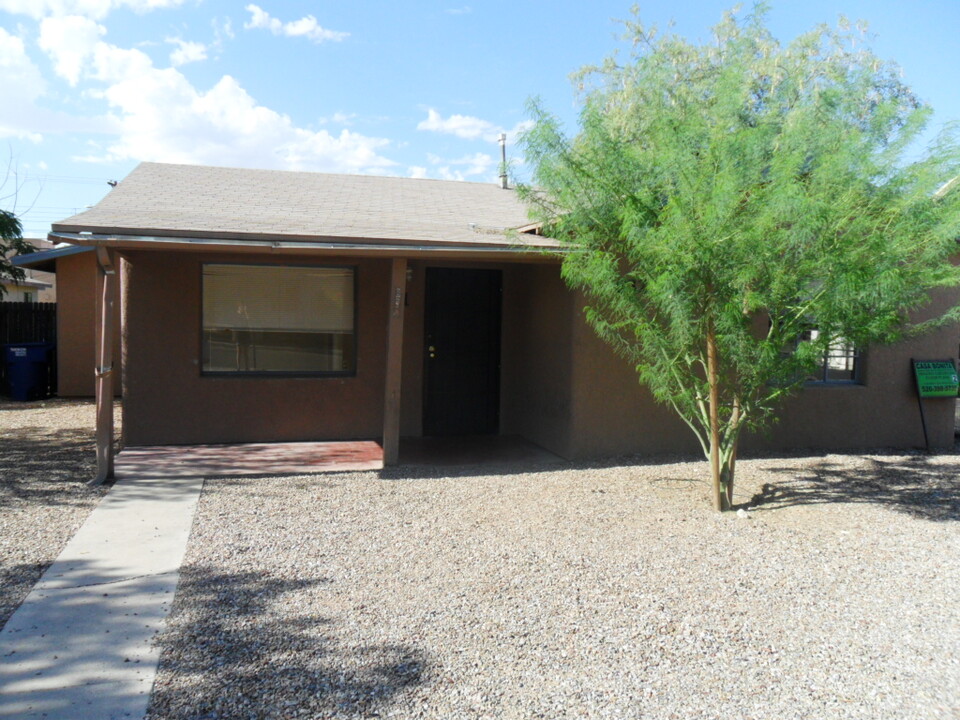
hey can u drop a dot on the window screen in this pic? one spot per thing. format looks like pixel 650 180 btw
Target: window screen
pixel 267 318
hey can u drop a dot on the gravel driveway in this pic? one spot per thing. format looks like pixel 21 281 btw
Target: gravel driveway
pixel 573 592
pixel 47 454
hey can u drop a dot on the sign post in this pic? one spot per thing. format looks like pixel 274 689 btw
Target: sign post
pixel 934 378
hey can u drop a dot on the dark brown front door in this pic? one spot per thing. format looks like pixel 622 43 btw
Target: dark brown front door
pixel 462 352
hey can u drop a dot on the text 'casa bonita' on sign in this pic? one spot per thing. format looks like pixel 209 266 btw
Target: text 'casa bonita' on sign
pixel 936 378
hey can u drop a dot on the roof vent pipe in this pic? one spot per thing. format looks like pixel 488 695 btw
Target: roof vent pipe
pixel 503 160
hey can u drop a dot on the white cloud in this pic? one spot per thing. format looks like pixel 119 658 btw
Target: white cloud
pixel 221 29
pixel 463 126
pixel 476 164
pixel 69 41
pixel 307 26
pixel 163 117
pixel 22 85
pixel 468 127
pixel 518 129
pixel 20 75
pixel 339 118
pixel 463 167
pixel 416 171
pixel 186 51
pixel 465 10
pixel 97 9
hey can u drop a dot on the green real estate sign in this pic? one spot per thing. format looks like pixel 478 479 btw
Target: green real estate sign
pixel 936 378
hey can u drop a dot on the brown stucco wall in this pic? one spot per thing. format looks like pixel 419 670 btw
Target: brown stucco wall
pixel 168 401
pixel 76 325
pixel 538 349
pixel 613 414
pixel 561 387
pixel 883 411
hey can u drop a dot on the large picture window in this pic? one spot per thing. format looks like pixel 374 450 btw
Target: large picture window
pixel 278 319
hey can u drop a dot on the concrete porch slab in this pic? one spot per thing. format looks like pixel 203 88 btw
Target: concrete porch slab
pixel 297 458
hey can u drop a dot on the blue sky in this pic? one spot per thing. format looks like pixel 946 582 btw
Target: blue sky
pixel 410 88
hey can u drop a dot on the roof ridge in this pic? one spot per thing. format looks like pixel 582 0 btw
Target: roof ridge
pixel 321 173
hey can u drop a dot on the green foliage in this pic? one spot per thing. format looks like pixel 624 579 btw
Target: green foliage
pixel 745 189
pixel 11 243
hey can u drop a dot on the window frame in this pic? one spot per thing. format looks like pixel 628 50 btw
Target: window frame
pixel 821 379
pixel 285 373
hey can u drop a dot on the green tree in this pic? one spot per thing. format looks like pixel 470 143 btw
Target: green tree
pixel 721 200
pixel 11 244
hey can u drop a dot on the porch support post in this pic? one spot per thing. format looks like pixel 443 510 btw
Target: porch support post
pixel 391 404
pixel 106 291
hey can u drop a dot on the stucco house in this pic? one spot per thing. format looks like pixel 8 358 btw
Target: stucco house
pixel 28 289
pixel 266 306
pixel 36 286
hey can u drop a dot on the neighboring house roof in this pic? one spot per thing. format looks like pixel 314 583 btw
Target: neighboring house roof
pixel 197 202
pixel 33 280
pixel 29 283
pixel 46 259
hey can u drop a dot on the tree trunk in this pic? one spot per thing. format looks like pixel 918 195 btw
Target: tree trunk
pixel 714 401
pixel 726 479
pixel 730 466
pixel 721 470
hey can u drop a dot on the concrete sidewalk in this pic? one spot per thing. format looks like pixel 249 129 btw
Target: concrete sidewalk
pixel 80 645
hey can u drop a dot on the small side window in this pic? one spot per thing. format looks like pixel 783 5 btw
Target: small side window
pixel 841 362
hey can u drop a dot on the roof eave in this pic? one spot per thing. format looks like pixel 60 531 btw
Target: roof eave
pixel 526 253
pixel 501 234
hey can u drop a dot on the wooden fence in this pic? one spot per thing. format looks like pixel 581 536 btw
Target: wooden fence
pixel 25 322
pixel 22 322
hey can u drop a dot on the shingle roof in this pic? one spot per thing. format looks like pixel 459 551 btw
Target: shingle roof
pixel 215 202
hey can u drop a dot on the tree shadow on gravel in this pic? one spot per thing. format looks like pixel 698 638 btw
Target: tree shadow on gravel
pixel 43 474
pixel 227 653
pixel 915 485
pixel 425 470
pixel 16 581
pixel 35 462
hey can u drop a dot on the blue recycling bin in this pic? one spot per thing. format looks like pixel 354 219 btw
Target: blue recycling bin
pixel 29 367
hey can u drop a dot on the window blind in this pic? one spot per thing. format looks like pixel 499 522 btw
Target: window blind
pixel 278 298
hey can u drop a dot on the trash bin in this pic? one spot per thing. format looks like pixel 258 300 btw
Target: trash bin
pixel 29 366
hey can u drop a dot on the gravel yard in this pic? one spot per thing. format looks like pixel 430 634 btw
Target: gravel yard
pixel 47 455
pixel 573 592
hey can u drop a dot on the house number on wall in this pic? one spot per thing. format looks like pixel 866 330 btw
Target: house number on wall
pixel 397 297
